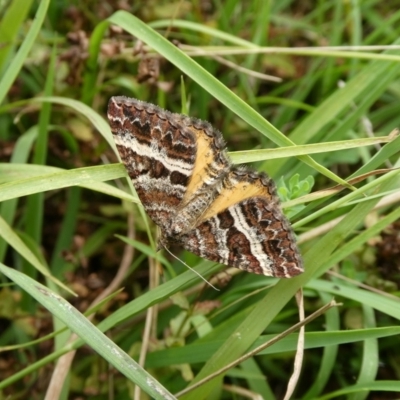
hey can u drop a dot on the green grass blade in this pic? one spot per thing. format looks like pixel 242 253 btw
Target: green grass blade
pixel 18 61
pixel 210 84
pixel 240 157
pixel 386 305
pixel 370 358
pixel 79 324
pixel 244 335
pixel 329 357
pixel 20 154
pixel 141 304
pixel 203 350
pixel 361 86
pixel 11 23
pixel 377 386
pixel 99 122
pixel 10 237
pixel 35 203
pixel 88 177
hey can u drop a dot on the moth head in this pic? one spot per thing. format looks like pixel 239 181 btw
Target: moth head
pixel 176 228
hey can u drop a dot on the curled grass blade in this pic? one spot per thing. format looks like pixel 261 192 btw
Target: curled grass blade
pixel 99 123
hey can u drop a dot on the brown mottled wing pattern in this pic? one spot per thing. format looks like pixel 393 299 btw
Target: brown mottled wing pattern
pixel 252 233
pixel 190 190
pixel 175 162
pixel 158 152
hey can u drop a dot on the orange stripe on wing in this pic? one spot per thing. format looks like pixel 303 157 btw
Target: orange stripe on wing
pixel 234 191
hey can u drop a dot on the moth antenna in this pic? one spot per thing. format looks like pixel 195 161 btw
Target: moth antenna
pixel 202 277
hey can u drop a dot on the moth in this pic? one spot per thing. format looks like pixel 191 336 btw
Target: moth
pixel 190 189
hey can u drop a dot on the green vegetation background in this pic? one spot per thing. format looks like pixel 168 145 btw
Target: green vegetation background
pixel 274 77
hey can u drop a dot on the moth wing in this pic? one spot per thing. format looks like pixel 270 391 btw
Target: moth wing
pixel 168 156
pixel 245 228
